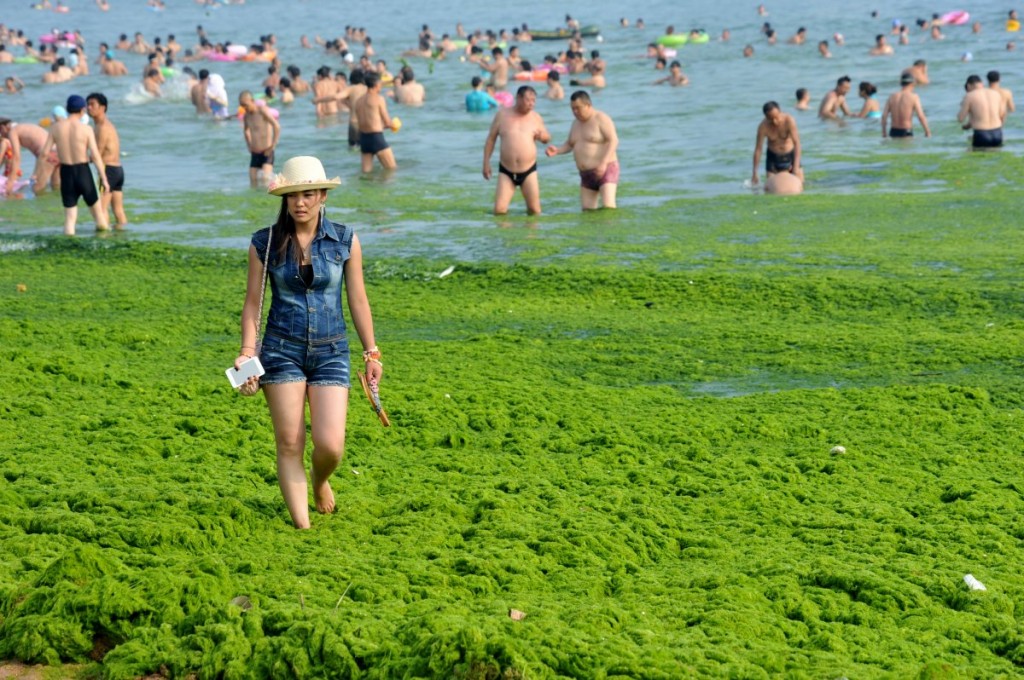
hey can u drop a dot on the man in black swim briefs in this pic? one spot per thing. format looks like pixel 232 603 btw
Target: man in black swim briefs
pixel 778 162
pixel 517 177
pixel 109 144
pixel 983 110
pixel 372 143
pixel 784 151
pixel 901 107
pixel 987 139
pixel 76 145
pixel 371 112
pixel 519 128
pixel 262 132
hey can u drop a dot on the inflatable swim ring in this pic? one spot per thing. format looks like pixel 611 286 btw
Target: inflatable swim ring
pixel 534 75
pixel 1012 25
pixel 168 72
pixel 955 18
pixel 504 98
pixel 18 184
pixel 673 40
pixel 65 40
pixel 218 56
pixel 699 39
pixel 26 60
pixel 259 102
pixel 237 50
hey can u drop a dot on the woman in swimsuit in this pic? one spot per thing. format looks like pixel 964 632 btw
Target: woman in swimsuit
pixel 871 109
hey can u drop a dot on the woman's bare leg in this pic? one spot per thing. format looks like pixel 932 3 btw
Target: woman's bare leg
pixel 328 406
pixel 287 403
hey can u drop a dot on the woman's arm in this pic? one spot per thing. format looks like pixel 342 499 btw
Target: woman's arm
pixel 250 310
pixel 359 307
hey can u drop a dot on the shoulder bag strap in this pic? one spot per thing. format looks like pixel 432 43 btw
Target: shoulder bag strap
pixel 263 291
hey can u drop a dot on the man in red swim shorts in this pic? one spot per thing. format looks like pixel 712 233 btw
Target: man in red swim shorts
pixel 593 142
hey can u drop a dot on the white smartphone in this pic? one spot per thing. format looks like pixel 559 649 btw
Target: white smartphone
pixel 250 368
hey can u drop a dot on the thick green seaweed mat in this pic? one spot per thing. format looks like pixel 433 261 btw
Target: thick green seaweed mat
pixel 637 457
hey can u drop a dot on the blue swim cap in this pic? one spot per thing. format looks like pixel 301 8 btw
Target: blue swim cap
pixel 59 112
pixel 76 103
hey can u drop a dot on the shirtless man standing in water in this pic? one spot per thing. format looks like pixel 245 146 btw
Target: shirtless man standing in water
pixel 902 106
pixel 982 110
pixel 835 101
pixel 76 145
pixel 32 137
pixel 262 131
pixel 783 144
pixel 109 145
pixel 325 93
pixel 593 142
pixel 520 128
pixel 372 117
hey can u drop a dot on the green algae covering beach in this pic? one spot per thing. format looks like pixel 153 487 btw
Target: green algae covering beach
pixel 747 437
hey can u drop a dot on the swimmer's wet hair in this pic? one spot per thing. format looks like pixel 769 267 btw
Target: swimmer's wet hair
pixel 580 95
pixel 993 76
pixel 842 79
pixel 800 93
pixel 97 97
pixel 769 107
pixel 522 91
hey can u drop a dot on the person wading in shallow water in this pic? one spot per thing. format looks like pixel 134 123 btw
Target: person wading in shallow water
pixel 784 150
pixel 520 128
pixel 593 142
pixel 305 352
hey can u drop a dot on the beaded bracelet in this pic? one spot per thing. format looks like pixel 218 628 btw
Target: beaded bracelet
pixel 372 354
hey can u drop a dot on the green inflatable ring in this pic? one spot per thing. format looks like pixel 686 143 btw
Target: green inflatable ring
pixel 673 40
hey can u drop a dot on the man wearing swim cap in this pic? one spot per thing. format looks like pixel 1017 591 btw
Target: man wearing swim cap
pixel 76 144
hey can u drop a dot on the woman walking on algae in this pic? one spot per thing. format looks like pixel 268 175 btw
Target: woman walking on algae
pixel 308 260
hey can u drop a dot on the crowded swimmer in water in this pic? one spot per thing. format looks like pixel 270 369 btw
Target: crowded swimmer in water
pixel 784 152
pixel 902 106
pixel 871 108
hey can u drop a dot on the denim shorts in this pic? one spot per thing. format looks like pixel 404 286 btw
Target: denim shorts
pixel 321 362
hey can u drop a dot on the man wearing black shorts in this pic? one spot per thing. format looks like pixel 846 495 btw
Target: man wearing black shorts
pixel 784 150
pixel 76 145
pixel 110 151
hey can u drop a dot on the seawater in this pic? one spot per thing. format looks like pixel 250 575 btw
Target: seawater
pixel 691 141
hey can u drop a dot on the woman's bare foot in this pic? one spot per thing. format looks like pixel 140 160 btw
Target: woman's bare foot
pixel 323 497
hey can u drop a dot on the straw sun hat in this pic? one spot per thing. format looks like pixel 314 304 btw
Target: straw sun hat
pixel 301 173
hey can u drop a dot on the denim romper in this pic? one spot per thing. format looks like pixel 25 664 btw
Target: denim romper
pixel 305 336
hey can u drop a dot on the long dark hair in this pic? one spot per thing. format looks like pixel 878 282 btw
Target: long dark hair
pixel 284 232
